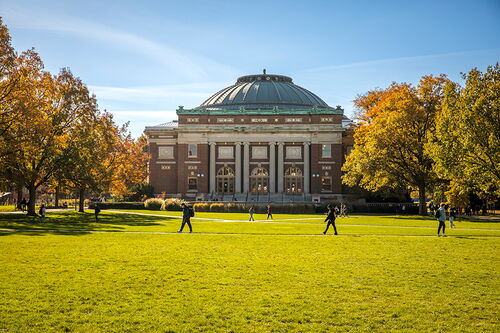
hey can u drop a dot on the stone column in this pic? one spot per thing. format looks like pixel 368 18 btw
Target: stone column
pixel 281 165
pixel 307 168
pixel 212 167
pixel 272 167
pixel 237 167
pixel 246 166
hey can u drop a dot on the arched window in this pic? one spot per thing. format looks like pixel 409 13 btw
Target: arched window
pixel 294 181
pixel 225 180
pixel 259 180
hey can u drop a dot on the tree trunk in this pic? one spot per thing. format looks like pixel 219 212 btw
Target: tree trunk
pixel 81 194
pixel 32 200
pixel 56 200
pixel 19 189
pixel 422 208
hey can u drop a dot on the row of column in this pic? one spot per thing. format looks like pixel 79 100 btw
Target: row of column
pixel 246 166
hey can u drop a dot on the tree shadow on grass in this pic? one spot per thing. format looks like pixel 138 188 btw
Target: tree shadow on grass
pixel 74 223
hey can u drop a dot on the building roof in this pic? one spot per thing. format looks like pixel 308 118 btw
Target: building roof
pixel 170 125
pixel 263 91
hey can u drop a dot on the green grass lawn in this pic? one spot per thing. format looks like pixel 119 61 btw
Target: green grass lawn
pixel 246 277
pixel 7 208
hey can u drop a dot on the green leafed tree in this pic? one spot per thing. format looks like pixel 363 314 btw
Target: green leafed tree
pixel 390 139
pixel 466 146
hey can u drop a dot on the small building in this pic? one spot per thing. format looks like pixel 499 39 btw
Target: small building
pixel 262 139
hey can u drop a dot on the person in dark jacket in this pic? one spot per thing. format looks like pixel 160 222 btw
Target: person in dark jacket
pixel 331 220
pixel 186 217
pixel 269 212
pixel 97 210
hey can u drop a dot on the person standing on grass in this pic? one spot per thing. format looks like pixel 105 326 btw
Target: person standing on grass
pixel 441 217
pixel 42 213
pixel 453 214
pixel 331 220
pixel 269 212
pixel 186 217
pixel 97 210
pixel 251 211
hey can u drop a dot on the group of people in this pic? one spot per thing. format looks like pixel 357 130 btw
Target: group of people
pixel 188 212
pixel 269 210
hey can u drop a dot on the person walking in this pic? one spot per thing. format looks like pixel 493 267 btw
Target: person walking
pixel 441 217
pixel 97 210
pixel 269 212
pixel 23 204
pixel 331 220
pixel 453 214
pixel 251 211
pixel 42 213
pixel 186 217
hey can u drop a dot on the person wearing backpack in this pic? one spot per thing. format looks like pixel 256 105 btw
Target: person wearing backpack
pixel 441 217
pixel 42 213
pixel 331 220
pixel 187 213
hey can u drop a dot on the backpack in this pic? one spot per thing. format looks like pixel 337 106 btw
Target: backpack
pixel 437 214
pixel 191 212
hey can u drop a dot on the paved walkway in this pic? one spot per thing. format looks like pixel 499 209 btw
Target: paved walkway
pixel 277 221
pixel 224 234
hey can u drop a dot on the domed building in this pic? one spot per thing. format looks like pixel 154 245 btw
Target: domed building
pixel 262 139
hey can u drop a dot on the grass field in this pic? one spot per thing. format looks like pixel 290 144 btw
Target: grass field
pixel 134 273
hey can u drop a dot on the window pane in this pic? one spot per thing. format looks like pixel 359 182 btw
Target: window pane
pixel 192 183
pixel 192 151
pixel 327 151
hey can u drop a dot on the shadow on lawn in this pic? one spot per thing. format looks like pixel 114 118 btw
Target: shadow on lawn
pixel 73 223
pixel 430 218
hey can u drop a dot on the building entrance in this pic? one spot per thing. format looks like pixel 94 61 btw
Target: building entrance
pixel 225 180
pixel 259 180
pixel 294 181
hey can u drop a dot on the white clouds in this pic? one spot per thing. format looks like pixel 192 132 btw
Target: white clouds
pixel 177 61
pixel 389 61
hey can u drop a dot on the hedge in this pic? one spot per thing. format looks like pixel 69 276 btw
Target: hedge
pixel 118 205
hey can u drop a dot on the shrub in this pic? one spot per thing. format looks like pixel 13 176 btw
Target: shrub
pixel 118 205
pixel 201 207
pixel 153 204
pixel 172 204
pixel 139 192
pixel 217 207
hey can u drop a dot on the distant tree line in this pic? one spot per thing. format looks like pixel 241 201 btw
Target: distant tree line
pixel 53 134
pixel 437 138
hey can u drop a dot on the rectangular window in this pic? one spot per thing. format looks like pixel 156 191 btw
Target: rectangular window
pixel 326 151
pixel 192 183
pixel 326 184
pixel 192 151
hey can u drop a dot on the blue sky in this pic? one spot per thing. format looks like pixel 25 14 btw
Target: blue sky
pixel 145 58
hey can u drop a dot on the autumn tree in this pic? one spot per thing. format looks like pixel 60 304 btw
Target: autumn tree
pixel 395 125
pixel 49 108
pixel 466 145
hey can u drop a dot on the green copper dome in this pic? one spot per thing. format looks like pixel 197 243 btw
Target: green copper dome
pixel 264 91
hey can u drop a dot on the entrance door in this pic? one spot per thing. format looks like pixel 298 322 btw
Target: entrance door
pixel 259 180
pixel 294 181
